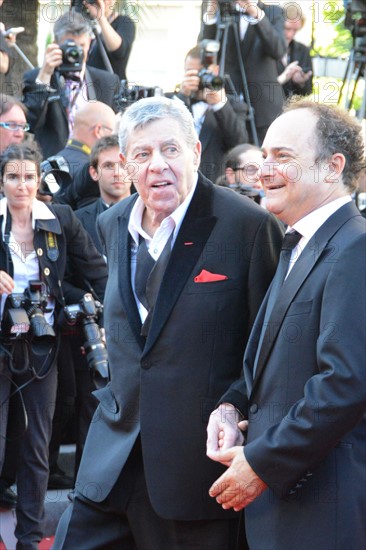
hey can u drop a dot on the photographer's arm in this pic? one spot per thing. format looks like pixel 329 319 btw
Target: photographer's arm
pixel 52 59
pixel 97 11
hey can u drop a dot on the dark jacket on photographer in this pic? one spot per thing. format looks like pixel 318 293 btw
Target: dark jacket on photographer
pixel 47 105
pixel 61 245
pixel 62 242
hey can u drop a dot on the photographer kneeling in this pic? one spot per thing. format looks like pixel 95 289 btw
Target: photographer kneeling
pixel 37 242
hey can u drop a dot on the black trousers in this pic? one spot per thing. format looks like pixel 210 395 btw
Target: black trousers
pixel 126 520
pixel 29 426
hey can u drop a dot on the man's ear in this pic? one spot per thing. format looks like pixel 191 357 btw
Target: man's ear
pixel 197 154
pixel 335 168
pixel 93 173
pixel 123 159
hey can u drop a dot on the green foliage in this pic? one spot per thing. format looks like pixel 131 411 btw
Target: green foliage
pixel 331 38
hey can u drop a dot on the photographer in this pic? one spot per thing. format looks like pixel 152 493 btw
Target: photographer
pixel 37 241
pixel 243 166
pixel 53 92
pixel 295 69
pixel 117 33
pixel 219 120
pixel 261 44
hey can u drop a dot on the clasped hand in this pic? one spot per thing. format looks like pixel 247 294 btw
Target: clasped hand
pixel 239 485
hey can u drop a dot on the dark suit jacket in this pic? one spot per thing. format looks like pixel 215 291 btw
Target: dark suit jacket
pixel 165 387
pixel 47 110
pixel 301 53
pixel 262 46
pixel 88 217
pixel 306 404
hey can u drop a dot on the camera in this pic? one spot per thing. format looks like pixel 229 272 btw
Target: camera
pixel 72 57
pixel 85 314
pixel 209 51
pixel 130 93
pixel 79 6
pixel 23 315
pixel 227 8
pixel 55 175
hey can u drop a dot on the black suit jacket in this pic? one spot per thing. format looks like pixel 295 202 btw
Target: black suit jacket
pixel 262 46
pixel 306 402
pixel 88 217
pixel 164 387
pixel 47 114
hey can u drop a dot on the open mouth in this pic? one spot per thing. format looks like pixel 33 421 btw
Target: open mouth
pixel 161 184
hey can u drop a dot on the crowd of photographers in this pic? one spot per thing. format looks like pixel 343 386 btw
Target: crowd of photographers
pixel 69 107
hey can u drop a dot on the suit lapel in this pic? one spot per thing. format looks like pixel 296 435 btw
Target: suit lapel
pixel 301 270
pixel 206 130
pixel 191 239
pixel 124 274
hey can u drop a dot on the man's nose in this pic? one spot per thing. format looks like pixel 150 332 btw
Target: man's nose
pixel 157 162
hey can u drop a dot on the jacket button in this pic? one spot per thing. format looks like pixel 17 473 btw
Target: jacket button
pixel 146 365
pixel 46 271
pixel 39 251
pixel 253 408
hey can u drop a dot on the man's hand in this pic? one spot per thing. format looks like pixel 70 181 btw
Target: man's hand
pixel 96 10
pixel 295 73
pixel 239 485
pixel 223 431
pixel 52 59
pixel 190 83
pixel 251 8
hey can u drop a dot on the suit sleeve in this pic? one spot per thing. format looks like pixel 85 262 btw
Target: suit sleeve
pixel 231 120
pixel 86 268
pixel 36 98
pixel 333 400
pixel 270 32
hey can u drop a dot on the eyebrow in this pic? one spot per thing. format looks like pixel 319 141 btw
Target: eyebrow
pixel 169 141
pixel 276 149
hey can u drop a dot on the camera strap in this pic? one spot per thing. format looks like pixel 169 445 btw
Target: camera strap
pixel 7 239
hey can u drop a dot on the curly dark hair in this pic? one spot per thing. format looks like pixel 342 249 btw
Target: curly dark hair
pixel 22 151
pixel 336 132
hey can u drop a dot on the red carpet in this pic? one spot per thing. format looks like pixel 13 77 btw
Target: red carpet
pixel 45 544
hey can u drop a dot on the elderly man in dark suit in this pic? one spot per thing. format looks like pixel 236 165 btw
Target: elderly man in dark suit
pixel 261 44
pixel 302 469
pixel 188 264
pixel 52 95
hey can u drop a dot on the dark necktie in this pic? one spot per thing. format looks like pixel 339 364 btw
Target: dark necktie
pixel 148 277
pixel 144 264
pixel 289 242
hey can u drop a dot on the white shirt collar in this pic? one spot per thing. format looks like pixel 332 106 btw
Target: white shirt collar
pixel 310 224
pixel 39 211
pixel 134 225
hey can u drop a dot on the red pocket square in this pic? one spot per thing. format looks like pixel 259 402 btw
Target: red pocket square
pixel 208 277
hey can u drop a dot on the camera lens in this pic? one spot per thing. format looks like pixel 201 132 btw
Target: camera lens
pixel 72 54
